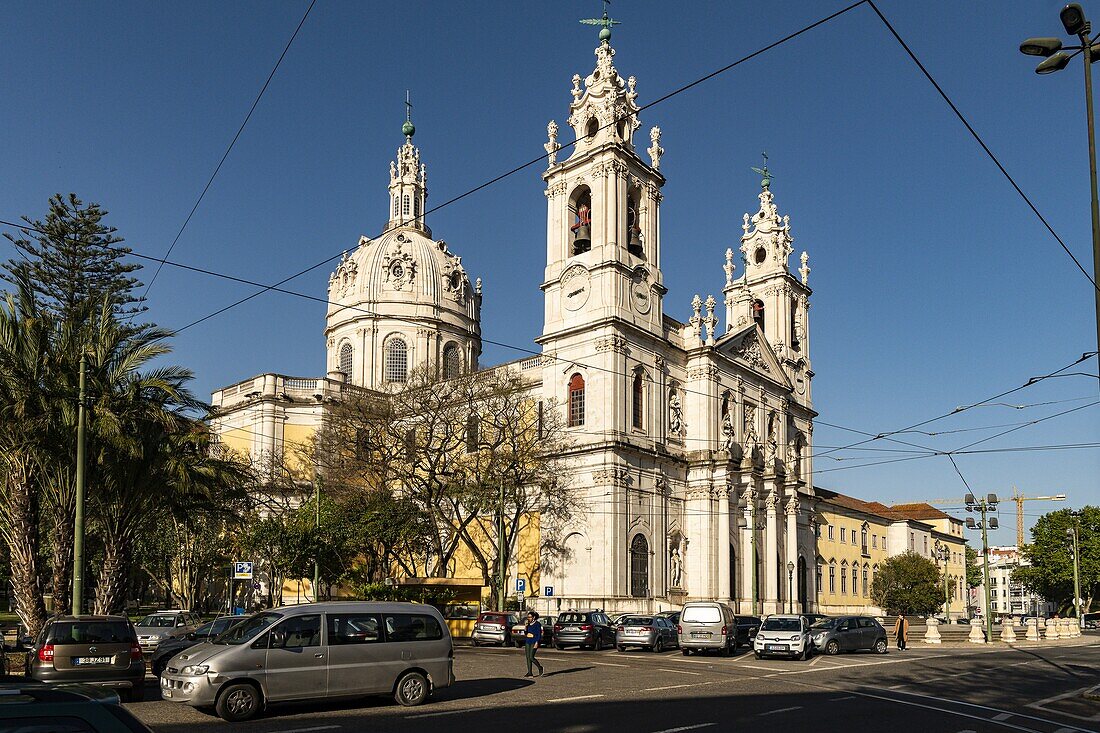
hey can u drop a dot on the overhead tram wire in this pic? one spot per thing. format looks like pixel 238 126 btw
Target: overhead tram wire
pixel 536 159
pixel 229 149
pixel 980 141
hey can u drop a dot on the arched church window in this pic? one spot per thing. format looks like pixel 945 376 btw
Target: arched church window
pixel 396 363
pixel 346 354
pixel 795 336
pixel 592 128
pixel 405 205
pixel 633 226
pixel 416 207
pixel 638 400
pixel 639 567
pixel 581 206
pixel 452 364
pixel 758 313
pixel 576 400
pixel 396 206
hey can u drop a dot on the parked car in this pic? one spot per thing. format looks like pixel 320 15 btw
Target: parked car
pixel 654 633
pixel 783 635
pixel 747 626
pixel 29 706
pixel 156 627
pixel 848 634
pixel 520 629
pixel 171 647
pixel 961 620
pixel 707 625
pixel 584 629
pixel 494 627
pixel 813 618
pixel 399 649
pixel 672 616
pixel 97 650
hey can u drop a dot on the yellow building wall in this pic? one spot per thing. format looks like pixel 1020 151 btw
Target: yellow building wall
pixel 842 556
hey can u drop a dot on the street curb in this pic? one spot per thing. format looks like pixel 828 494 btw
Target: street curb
pixel 1083 641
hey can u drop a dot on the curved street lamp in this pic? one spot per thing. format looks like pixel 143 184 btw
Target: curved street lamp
pixel 1055 59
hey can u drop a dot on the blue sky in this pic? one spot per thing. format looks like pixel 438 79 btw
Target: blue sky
pixel 934 285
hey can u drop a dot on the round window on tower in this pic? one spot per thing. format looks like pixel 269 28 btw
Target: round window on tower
pixel 760 255
pixel 397 271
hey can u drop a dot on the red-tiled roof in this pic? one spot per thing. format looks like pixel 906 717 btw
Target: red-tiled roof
pixel 850 502
pixel 917 511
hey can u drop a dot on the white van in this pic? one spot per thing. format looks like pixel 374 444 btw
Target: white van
pixel 707 625
pixel 315 650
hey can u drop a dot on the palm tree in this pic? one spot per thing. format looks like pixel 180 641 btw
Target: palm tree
pixel 26 357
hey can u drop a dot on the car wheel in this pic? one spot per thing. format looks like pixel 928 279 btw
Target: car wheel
pixel 724 651
pixel 685 652
pixel 559 647
pixel 622 648
pixel 599 643
pixel 832 648
pixel 804 655
pixel 136 693
pixel 658 647
pixel 412 689
pixel 758 655
pixel 880 646
pixel 238 702
pixel 475 642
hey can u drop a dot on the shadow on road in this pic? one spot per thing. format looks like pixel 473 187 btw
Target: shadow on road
pixel 571 670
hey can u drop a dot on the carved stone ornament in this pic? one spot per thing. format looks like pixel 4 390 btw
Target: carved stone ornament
pixel 804 271
pixel 792 506
pixel 772 501
pixel 398 266
pixel 729 267
pixel 552 146
pixel 675 414
pixel 611 343
pixel 655 150
pixel 750 351
pixel 615 475
pixel 342 280
pixel 455 282
pixel 575 287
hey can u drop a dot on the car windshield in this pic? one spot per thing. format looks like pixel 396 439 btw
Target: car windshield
pixel 825 623
pixel 157 622
pixel 701 615
pixel 782 624
pixel 90 632
pixel 636 620
pixel 572 618
pixel 244 632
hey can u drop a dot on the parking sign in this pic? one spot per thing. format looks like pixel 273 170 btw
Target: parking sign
pixel 242 570
pixel 521 585
pixel 548 591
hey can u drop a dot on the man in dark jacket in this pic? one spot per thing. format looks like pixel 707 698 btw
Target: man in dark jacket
pixel 532 636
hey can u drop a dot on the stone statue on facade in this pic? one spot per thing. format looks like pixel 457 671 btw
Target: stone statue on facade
pixel 552 146
pixel 677 567
pixel 675 414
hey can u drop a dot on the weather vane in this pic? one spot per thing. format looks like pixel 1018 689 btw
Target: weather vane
pixel 605 21
pixel 767 177
pixel 408 107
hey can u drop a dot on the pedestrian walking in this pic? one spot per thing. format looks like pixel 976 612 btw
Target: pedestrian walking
pixel 532 637
pixel 901 632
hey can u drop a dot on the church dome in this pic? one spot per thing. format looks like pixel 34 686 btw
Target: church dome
pixel 402 301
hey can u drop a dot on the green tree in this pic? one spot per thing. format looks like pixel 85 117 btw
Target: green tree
pixel 72 259
pixel 1049 556
pixel 973 568
pixel 909 584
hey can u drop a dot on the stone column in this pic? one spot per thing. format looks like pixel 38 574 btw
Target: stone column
pixel 1053 632
pixel 724 590
pixel 977 634
pixel 792 553
pixel 1032 629
pixel 1008 634
pixel 771 549
pixel 747 559
pixel 932 631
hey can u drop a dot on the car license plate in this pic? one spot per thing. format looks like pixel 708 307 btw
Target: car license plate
pixel 166 693
pixel 776 648
pixel 633 630
pixel 571 628
pixel 84 661
pixel 700 634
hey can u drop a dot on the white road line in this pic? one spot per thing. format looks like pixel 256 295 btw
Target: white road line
pixel 816 660
pixel 757 666
pixel 608 664
pixel 679 671
pixel 1002 716
pixel 1062 696
pixel 1064 730
pixel 668 687
pixel 686 727
pixel 571 699
pixel 894 687
pixel 431 715
pixel 846 697
pixel 973 705
pixel 306 730
pixel 781 710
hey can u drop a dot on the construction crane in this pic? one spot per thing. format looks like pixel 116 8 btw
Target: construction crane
pixel 1017 497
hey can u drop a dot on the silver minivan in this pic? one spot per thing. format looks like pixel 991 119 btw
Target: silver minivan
pixel 315 650
pixel 707 625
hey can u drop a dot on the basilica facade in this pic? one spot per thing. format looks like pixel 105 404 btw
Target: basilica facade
pixel 691 443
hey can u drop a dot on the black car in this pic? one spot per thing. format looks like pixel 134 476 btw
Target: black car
pixel 747 626
pixel 171 647
pixel 584 629
pixel 33 706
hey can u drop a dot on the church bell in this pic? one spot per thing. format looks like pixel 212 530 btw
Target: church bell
pixel 635 244
pixel 582 238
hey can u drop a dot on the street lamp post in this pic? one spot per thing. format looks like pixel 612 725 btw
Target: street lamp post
pixel 984 506
pixel 1074 21
pixel 790 586
pixel 78 517
pixel 1072 534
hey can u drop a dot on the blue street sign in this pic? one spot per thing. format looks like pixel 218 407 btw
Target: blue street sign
pixel 521 585
pixel 548 591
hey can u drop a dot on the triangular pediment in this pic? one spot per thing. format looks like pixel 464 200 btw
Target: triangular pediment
pixel 749 348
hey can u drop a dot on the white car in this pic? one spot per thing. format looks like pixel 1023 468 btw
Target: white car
pixel 161 625
pixel 783 635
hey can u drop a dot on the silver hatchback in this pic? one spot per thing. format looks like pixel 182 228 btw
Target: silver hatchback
pixel 312 651
pixel 654 633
